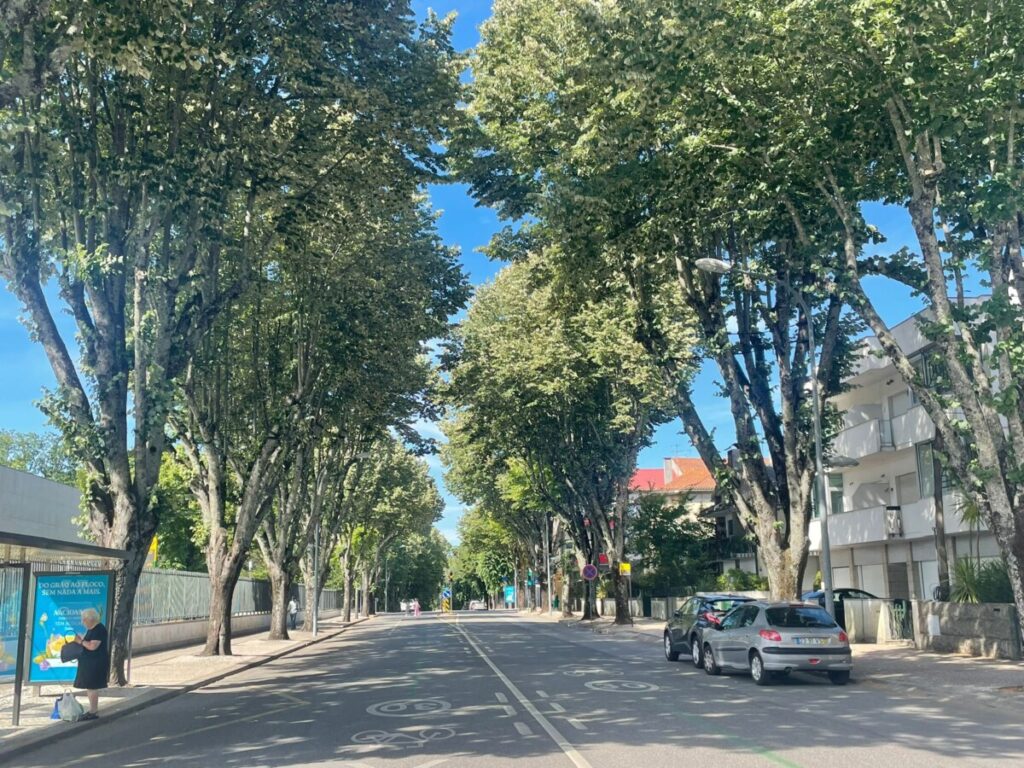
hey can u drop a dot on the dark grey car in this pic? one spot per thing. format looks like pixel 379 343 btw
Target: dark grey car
pixel 776 638
pixel 684 630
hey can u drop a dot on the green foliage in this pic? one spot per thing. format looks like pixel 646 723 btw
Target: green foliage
pixel 485 558
pixel 981 582
pixel 673 547
pixel 181 534
pixel 415 568
pixel 39 453
pixel 736 580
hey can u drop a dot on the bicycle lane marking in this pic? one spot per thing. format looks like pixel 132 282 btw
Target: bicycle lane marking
pixel 570 751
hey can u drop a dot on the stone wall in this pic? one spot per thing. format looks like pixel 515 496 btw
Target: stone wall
pixel 985 629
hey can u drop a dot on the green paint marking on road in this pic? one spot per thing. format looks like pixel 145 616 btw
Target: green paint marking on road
pixel 767 754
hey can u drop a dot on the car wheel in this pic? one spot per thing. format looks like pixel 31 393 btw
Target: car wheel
pixel 839 678
pixel 670 654
pixel 710 665
pixel 695 652
pixel 760 675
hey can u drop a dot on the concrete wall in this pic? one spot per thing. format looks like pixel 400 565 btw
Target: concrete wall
pixel 986 629
pixel 34 506
pixel 176 634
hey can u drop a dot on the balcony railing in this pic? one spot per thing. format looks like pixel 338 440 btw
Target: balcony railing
pixel 859 441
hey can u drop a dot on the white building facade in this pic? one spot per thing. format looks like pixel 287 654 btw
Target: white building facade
pixel 882 524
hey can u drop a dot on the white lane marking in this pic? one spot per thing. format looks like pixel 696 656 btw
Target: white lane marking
pixel 501 697
pixel 570 751
pixel 523 728
pixel 556 707
pixel 541 695
pixel 510 710
pixel 576 724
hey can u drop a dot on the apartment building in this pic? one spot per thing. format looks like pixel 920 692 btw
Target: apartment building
pixel 688 481
pixel 881 530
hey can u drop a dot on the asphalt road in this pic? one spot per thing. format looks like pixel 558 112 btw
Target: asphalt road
pixel 482 690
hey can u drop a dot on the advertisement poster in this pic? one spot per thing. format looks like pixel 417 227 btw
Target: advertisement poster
pixel 60 599
pixel 10 613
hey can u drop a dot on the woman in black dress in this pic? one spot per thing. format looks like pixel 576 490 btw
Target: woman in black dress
pixel 94 663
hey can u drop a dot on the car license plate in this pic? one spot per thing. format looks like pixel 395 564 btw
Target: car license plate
pixel 811 640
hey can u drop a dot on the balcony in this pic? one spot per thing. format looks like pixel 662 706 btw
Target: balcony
pixel 912 427
pixel 845 529
pixel 859 441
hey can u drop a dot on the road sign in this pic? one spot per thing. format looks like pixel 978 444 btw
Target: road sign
pixel 446 605
pixel 510 594
pixel 589 572
pixel 602 561
pixel 625 569
pixel 446 593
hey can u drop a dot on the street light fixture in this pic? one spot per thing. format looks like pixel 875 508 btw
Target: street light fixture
pixel 720 267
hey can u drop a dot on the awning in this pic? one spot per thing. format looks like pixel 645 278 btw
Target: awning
pixel 19 548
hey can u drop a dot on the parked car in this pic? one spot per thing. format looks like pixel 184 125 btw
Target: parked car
pixel 477 605
pixel 767 639
pixel 684 629
pixel 839 597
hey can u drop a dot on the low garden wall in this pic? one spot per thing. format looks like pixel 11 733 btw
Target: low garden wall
pixel 977 629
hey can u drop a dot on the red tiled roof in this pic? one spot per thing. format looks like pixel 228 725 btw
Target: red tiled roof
pixel 687 475
pixel 690 475
pixel 648 480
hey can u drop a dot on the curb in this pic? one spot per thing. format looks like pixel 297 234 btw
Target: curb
pixel 21 744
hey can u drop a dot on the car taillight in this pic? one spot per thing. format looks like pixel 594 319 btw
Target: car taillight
pixel 843 638
pixel 771 635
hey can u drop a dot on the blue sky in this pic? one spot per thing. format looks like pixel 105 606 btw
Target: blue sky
pixel 25 372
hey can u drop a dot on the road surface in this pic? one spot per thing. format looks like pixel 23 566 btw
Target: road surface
pixel 481 690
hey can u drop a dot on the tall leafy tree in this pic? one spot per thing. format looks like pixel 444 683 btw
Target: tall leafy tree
pixel 613 127
pixel 145 146
pixel 562 399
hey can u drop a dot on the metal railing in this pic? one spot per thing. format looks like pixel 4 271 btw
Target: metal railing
pixel 165 595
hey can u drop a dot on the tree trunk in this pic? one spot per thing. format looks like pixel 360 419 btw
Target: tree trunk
pixel 368 607
pixel 622 612
pixel 348 587
pixel 279 586
pixel 941 552
pixel 566 592
pixel 218 628
pixel 126 583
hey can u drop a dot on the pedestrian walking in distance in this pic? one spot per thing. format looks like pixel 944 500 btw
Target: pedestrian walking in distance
pixel 293 611
pixel 94 663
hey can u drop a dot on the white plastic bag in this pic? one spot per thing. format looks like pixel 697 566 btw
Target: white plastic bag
pixel 69 708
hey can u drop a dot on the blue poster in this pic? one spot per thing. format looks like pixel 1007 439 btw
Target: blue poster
pixel 56 619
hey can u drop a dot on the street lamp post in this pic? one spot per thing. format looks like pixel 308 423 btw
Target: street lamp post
pixel 547 559
pixel 316 579
pixel 720 267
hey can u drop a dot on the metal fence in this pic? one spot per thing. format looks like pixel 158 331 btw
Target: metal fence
pixel 165 595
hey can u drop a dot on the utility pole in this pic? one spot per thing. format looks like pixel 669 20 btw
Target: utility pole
pixel 316 578
pixel 547 558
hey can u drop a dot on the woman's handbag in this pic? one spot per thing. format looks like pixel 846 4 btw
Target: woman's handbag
pixel 69 708
pixel 71 651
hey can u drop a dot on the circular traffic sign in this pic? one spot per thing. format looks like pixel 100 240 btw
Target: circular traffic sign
pixel 589 572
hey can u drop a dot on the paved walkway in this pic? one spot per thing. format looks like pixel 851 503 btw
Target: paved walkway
pixel 996 682
pixel 155 677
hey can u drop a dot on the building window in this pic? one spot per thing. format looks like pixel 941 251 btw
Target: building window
pixel 926 470
pixel 835 487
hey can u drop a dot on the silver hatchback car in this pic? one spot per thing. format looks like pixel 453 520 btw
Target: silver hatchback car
pixel 776 638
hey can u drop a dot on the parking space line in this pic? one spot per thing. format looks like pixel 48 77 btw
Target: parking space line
pixel 510 710
pixel 563 743
pixel 523 728
pixel 556 707
pixel 576 724
pixel 501 697
pixel 541 695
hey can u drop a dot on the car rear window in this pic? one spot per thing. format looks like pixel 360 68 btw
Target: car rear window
pixel 799 616
pixel 725 605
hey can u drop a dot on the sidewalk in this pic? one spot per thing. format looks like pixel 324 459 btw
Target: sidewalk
pixel 155 677
pixel 995 682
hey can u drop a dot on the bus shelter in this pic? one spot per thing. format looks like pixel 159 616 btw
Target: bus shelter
pixel 40 581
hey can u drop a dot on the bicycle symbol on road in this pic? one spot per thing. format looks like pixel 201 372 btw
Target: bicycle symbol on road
pixel 582 670
pixel 400 740
pixel 620 686
pixel 409 707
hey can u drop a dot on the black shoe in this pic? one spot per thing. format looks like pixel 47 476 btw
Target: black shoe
pixel 89 716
